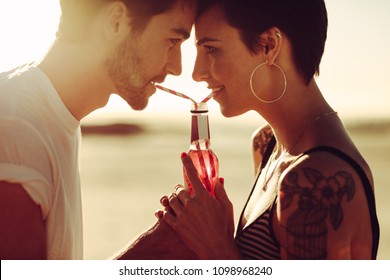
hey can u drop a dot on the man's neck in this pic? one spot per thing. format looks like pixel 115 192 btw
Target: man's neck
pixel 78 74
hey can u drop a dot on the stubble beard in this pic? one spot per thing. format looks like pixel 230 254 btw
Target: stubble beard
pixel 126 71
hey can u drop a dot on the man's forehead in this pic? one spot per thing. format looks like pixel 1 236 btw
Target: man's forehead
pixel 181 18
pixel 188 4
pixel 184 7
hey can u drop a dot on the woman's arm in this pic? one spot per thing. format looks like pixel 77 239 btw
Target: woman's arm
pixel 322 211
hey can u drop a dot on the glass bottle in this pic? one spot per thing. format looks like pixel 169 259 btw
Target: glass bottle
pixel 204 159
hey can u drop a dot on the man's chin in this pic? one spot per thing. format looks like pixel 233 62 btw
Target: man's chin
pixel 135 102
pixel 138 107
pixel 138 99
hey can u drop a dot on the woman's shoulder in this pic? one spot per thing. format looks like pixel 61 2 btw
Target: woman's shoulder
pixel 326 162
pixel 331 161
pixel 261 138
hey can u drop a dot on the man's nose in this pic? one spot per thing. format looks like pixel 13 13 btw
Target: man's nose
pixel 174 66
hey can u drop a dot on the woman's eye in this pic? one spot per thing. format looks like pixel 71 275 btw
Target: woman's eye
pixel 209 49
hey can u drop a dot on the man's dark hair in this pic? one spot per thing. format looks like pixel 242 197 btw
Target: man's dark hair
pixel 305 23
pixel 77 14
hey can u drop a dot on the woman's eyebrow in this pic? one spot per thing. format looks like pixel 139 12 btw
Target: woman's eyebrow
pixel 206 40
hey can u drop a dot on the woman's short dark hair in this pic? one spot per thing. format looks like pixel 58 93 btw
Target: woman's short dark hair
pixel 305 23
pixel 76 15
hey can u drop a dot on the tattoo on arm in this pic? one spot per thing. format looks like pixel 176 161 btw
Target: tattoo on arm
pixel 261 140
pixel 306 229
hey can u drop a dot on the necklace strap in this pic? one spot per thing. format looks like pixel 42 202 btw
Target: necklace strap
pixel 268 152
pixel 316 119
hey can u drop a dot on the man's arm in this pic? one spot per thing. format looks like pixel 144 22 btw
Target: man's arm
pixel 158 243
pixel 22 230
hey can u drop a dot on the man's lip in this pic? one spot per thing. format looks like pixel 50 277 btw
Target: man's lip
pixel 158 80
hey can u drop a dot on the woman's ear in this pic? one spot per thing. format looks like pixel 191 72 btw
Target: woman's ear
pixel 272 43
pixel 116 20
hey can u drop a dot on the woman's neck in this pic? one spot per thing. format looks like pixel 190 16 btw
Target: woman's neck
pixel 295 114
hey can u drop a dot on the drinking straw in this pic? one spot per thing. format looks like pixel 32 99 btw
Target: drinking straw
pixel 174 92
pixel 211 95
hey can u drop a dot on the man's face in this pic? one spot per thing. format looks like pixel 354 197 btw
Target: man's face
pixel 148 57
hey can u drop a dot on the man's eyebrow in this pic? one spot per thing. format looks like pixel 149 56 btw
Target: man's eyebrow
pixel 181 31
pixel 206 40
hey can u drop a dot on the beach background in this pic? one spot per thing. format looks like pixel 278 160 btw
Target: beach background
pixel 130 159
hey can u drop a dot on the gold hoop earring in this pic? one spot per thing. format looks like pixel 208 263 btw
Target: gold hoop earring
pixel 251 83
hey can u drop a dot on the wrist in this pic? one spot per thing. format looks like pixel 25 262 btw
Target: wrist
pixel 221 250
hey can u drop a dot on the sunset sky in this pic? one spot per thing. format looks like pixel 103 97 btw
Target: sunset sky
pixel 355 76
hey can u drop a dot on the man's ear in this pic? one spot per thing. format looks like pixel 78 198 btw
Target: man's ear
pixel 271 41
pixel 116 20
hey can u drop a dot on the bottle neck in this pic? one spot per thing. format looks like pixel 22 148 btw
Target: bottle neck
pixel 200 131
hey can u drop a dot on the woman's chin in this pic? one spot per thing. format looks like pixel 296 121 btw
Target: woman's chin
pixel 232 111
pixel 227 113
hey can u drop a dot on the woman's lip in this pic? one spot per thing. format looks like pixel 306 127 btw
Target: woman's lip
pixel 217 92
pixel 217 89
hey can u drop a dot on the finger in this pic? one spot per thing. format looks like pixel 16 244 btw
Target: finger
pixel 180 187
pixel 169 218
pixel 183 195
pixel 192 174
pixel 175 203
pixel 221 195
pixel 164 201
pixel 159 214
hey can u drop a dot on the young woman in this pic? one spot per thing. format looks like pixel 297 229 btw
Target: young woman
pixel 313 194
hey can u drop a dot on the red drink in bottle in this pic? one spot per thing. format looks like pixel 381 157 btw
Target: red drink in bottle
pixel 204 159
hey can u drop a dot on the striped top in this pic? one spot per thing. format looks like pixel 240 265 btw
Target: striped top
pixel 257 241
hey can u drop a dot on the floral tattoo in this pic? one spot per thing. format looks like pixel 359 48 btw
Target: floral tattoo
pixel 261 140
pixel 306 227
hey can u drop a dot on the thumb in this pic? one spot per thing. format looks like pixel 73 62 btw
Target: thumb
pixel 221 195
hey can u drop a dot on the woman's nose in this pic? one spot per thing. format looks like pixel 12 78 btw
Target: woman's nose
pixel 200 72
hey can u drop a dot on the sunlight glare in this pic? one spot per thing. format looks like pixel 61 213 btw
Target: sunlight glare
pixel 28 28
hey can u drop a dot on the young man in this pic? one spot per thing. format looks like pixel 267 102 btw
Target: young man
pixel 102 47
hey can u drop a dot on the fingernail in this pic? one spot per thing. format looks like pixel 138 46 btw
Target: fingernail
pixel 221 180
pixel 183 154
pixel 158 214
pixel 164 201
pixel 178 186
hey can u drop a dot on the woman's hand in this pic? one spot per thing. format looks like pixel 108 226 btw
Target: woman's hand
pixel 204 223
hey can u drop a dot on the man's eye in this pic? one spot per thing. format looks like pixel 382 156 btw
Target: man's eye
pixel 175 42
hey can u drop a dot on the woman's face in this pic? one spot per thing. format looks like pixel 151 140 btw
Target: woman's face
pixel 225 63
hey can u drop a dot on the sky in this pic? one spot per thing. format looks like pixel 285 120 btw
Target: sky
pixel 354 78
